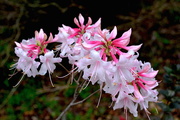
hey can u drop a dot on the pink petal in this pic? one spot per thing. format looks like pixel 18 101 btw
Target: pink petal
pixel 149 75
pixel 25 46
pixel 89 22
pixel 50 39
pixel 113 34
pixel 76 22
pixel 133 47
pixel 104 57
pixel 114 57
pixel 141 85
pixel 91 44
pixel 18 44
pixel 81 19
pixel 124 39
pixel 41 34
pixel 120 42
pixel 95 42
pixel 98 23
pixel 148 82
pixel 136 92
pixel 36 34
pixel 76 30
pixel 145 68
pixel 126 34
pixel 102 52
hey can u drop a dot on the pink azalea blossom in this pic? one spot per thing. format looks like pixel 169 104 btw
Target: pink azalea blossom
pixel 26 64
pixel 109 46
pixel 103 59
pixel 36 45
pixel 48 61
pixel 123 72
pixel 66 43
pixel 126 102
pixel 144 79
pixel 31 50
pixel 78 32
pixel 97 67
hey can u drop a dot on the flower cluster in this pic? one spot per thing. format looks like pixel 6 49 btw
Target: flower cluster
pixel 34 57
pixel 103 58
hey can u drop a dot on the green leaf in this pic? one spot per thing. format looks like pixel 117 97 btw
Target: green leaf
pixel 167 69
pixel 167 93
pixel 168 117
pixel 164 107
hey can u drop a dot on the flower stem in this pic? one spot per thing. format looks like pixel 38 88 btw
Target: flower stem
pixel 75 96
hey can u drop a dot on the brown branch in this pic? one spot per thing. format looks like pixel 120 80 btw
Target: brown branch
pixel 75 96
pixel 8 97
pixel 79 102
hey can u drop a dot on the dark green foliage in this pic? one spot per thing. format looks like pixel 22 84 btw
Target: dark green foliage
pixel 171 92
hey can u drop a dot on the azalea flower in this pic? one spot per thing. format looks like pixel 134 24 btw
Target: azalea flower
pixel 31 51
pixel 26 64
pixel 65 42
pixel 109 46
pixel 48 65
pixel 37 45
pixel 123 72
pixel 94 67
pixel 48 61
pixel 103 59
pixel 126 102
pixel 78 32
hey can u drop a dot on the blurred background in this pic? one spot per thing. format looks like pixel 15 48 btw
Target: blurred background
pixel 155 23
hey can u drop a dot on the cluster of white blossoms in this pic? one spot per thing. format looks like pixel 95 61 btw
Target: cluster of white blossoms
pixel 103 59
pixel 34 57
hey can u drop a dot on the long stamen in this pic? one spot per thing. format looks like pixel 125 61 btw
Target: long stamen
pixel 68 73
pixel 26 71
pixel 50 79
pixel 125 110
pixel 100 95
pixel 14 73
pixel 19 81
pixel 83 84
pixel 147 112
pixel 111 104
pixel 86 85
pixel 72 76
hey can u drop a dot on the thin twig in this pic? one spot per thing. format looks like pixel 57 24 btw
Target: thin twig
pixel 75 96
pixel 64 67
pixel 77 81
pixel 66 109
pixel 57 88
pixel 76 93
pixel 8 97
pixel 79 102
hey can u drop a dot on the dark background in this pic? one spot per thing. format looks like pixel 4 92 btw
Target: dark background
pixel 155 23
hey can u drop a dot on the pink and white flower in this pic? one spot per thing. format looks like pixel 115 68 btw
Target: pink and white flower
pixel 94 67
pixel 78 32
pixel 103 59
pixel 65 42
pixel 109 46
pixel 37 45
pixel 48 62
pixel 126 102
pixel 31 50
pixel 27 64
